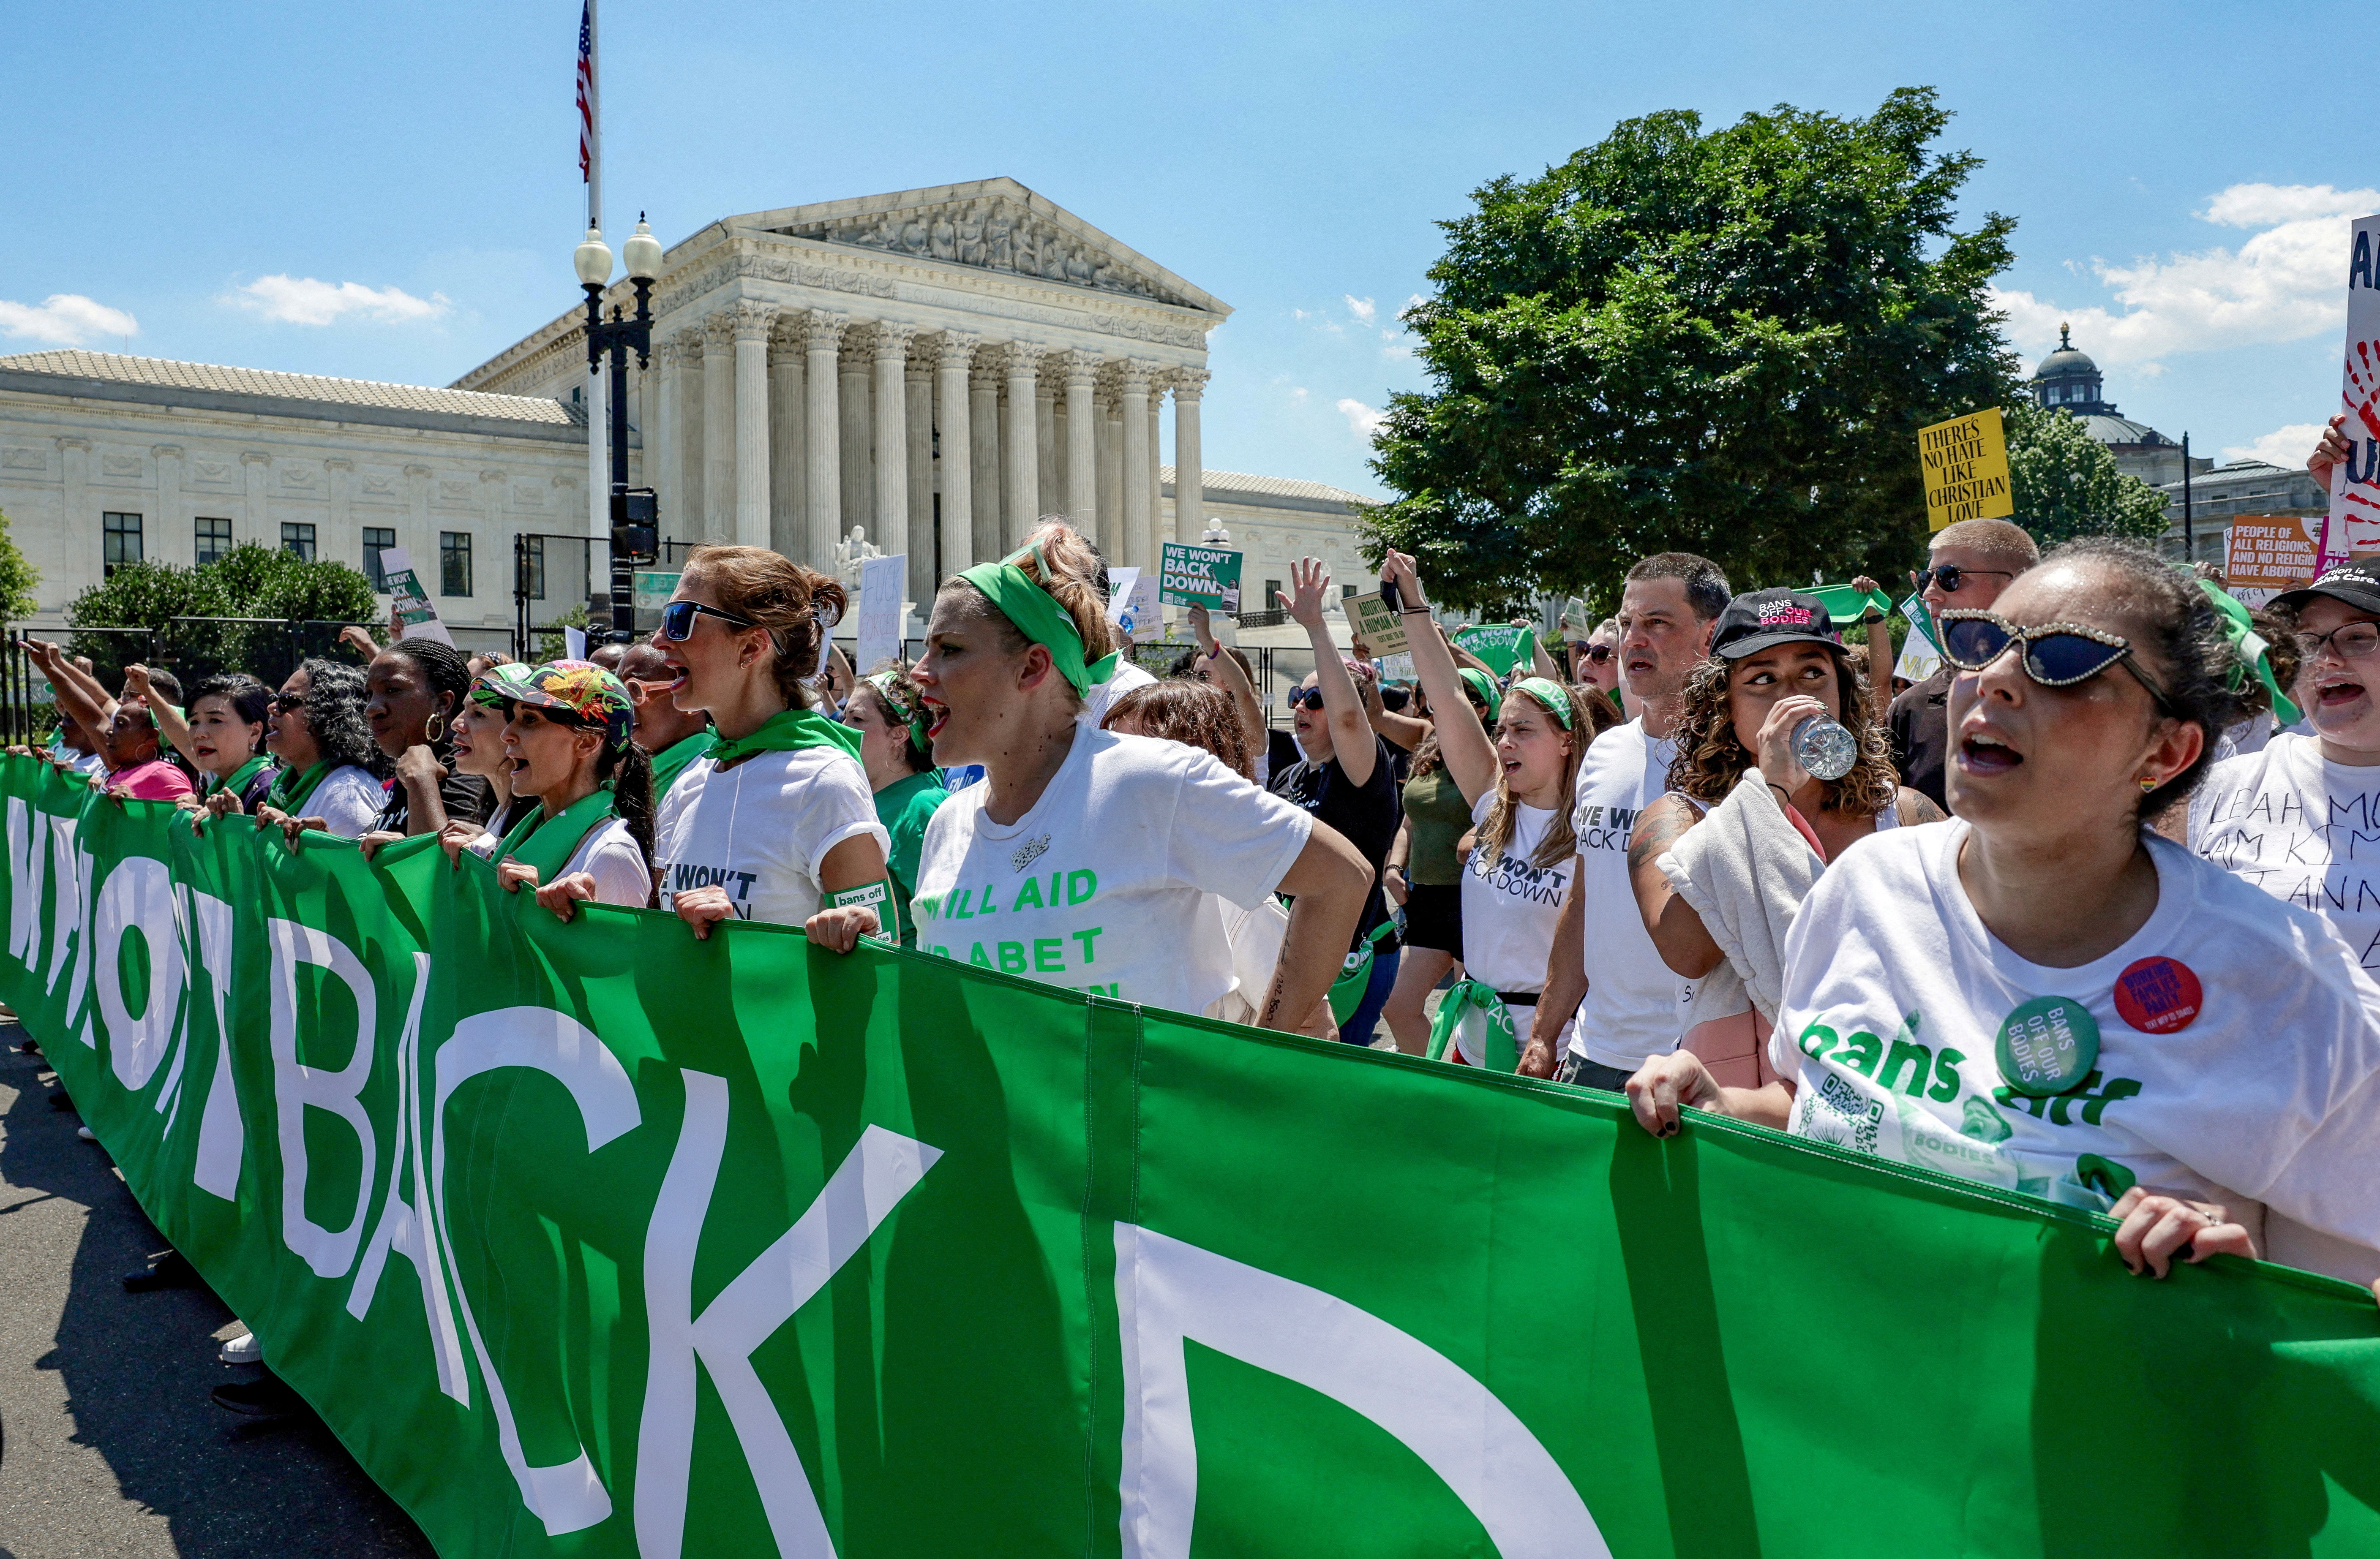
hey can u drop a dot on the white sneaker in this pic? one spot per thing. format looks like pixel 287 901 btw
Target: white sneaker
pixel 243 1349
pixel 86 1134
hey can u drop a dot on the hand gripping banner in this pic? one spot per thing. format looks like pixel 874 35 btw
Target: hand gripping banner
pixel 594 1240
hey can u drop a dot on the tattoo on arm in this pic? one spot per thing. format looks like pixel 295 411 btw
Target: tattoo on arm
pixel 1918 808
pixel 1661 827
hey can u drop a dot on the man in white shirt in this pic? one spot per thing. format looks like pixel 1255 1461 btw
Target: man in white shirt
pixel 1602 952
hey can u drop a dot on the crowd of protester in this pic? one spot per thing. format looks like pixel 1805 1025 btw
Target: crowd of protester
pixel 2076 916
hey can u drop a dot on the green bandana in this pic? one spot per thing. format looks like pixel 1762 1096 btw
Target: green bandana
pixel 289 791
pixel 1500 1040
pixel 1040 619
pixel 238 778
pixel 671 761
pixel 786 731
pixel 1484 685
pixel 914 718
pixel 2250 649
pixel 1549 694
pixel 547 843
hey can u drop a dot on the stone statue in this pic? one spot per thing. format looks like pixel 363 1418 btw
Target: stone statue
pixel 945 238
pixel 971 237
pixel 999 251
pixel 913 237
pixel 852 551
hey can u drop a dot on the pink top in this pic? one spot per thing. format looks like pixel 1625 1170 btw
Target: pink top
pixel 154 780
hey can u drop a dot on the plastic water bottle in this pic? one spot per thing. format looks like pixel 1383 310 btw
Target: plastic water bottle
pixel 1825 748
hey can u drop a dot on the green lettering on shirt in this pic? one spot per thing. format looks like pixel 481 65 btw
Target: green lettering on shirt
pixel 1946 1076
pixel 958 900
pixel 1916 1059
pixel 1816 1038
pixel 1029 897
pixel 1012 957
pixel 977 959
pixel 1859 1053
pixel 1080 885
pixel 1086 937
pixel 984 906
pixel 1047 956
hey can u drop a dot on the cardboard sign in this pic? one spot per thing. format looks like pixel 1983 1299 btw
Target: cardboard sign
pixel 1500 645
pixel 1141 619
pixel 2353 525
pixel 415 610
pixel 881 580
pixel 2264 555
pixel 1194 575
pixel 1379 624
pixel 1966 469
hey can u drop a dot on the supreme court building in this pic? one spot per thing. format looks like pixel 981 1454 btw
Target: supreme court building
pixel 939 367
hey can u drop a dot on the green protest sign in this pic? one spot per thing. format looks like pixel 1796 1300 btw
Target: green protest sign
pixel 592 1239
pixel 1207 576
pixel 1499 645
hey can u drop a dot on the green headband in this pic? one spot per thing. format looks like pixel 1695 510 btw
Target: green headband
pixel 2249 649
pixel 1484 685
pixel 914 716
pixel 1039 618
pixel 1549 694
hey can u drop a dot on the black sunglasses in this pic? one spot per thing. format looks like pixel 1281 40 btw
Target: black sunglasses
pixel 1598 653
pixel 1310 698
pixel 1951 576
pixel 282 702
pixel 2053 654
pixel 677 619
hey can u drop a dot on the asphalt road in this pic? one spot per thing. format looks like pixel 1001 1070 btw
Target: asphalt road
pixel 108 1445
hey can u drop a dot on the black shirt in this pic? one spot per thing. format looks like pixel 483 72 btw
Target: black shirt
pixel 1920 720
pixel 1366 814
pixel 467 797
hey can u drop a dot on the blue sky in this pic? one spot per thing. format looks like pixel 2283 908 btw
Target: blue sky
pixel 392 192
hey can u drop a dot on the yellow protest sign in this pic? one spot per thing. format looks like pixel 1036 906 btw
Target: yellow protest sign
pixel 1966 469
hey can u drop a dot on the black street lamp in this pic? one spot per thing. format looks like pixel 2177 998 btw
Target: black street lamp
pixel 635 513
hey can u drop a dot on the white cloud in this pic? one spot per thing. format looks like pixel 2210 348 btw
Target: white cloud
pixel 305 301
pixel 1362 420
pixel 2282 284
pixel 67 318
pixel 2286 447
pixel 1367 312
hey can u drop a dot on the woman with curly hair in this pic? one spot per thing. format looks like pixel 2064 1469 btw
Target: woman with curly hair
pixel 317 731
pixel 417 689
pixel 887 712
pixel 1717 908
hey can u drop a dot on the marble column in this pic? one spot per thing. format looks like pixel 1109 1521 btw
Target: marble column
pixel 422 540
pixel 917 400
pixel 752 322
pixel 1020 456
pixel 718 427
pixel 561 592
pixel 689 436
pixel 822 499
pixel 888 348
pixel 182 547
pixel 257 468
pixel 788 458
pixel 983 449
pixel 1157 536
pixel 1108 433
pixel 1082 458
pixel 858 456
pixel 661 435
pixel 341 476
pixel 1189 479
pixel 1047 497
pixel 75 517
pixel 1139 518
pixel 954 419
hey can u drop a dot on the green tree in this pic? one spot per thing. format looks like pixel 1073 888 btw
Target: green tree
pixel 1722 343
pixel 17 579
pixel 2065 483
pixel 248 582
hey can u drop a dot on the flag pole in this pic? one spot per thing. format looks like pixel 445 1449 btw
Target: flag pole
pixel 599 422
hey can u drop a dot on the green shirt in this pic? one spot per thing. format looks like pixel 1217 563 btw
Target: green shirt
pixel 1435 816
pixel 671 761
pixel 904 807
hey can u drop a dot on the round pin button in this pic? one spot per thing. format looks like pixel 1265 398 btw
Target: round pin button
pixel 2158 994
pixel 2047 1046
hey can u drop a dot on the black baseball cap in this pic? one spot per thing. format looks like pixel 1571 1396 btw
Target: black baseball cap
pixel 2355 583
pixel 1760 619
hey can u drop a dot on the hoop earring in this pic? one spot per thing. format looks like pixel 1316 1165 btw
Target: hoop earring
pixel 434 737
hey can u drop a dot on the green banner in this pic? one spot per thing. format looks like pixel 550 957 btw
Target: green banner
pixel 597 1240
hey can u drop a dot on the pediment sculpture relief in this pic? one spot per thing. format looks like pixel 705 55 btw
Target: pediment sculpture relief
pixel 993 233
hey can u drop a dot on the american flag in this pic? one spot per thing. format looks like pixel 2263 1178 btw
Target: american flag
pixel 586 93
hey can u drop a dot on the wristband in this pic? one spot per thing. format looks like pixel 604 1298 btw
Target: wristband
pixel 876 896
pixel 1421 611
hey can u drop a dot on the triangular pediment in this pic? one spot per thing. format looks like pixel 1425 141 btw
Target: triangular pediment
pixel 993 225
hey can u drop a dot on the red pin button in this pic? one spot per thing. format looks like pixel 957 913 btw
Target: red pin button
pixel 2159 996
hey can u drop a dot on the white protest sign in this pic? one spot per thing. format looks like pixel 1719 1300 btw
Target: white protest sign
pixel 1141 619
pixel 1119 580
pixel 574 643
pixel 881 580
pixel 2353 525
pixel 1919 659
pixel 414 611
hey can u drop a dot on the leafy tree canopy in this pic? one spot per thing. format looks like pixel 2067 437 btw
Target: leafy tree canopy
pixel 17 579
pixel 1722 343
pixel 248 582
pixel 2065 483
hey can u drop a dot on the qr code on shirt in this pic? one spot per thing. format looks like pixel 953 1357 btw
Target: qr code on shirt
pixel 1837 1114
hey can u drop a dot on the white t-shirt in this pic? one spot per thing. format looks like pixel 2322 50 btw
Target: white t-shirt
pixel 348 800
pixel 1254 935
pixel 2266 1082
pixel 2305 830
pixel 1630 1011
pixel 761 830
pixel 1101 885
pixel 1103 696
pixel 610 852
